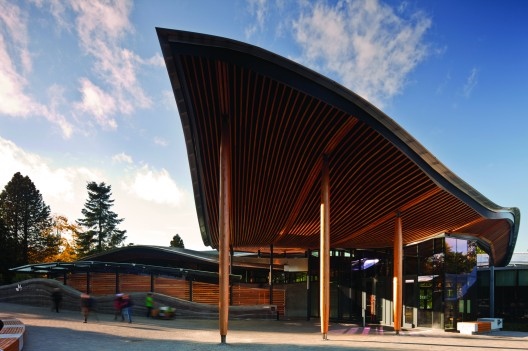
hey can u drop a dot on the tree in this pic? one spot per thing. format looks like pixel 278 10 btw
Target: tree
pixel 25 224
pixel 177 241
pixel 99 221
pixel 68 235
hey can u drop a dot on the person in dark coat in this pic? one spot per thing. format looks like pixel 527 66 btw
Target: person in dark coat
pixel 56 297
pixel 86 305
pixel 127 307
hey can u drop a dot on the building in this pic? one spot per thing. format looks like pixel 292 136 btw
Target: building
pixel 286 163
pixel 284 160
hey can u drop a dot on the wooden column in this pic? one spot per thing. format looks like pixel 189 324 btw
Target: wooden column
pixel 324 252
pixel 397 284
pixel 271 276
pixel 117 285
pixel 88 282
pixel 309 287
pixel 224 228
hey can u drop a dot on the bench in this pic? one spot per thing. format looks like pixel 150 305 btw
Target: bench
pixel 12 334
pixel 496 323
pixel 471 328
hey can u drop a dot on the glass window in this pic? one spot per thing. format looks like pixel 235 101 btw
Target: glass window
pixel 483 278
pixel 523 278
pixel 504 278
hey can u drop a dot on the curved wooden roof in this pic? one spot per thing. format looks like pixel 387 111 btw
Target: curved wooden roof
pixel 283 117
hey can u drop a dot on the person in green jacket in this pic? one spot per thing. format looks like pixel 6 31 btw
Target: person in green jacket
pixel 149 304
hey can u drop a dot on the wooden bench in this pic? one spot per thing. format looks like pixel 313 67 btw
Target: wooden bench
pixel 471 328
pixel 12 334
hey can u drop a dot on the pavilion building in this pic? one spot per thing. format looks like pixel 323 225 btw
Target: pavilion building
pixel 285 161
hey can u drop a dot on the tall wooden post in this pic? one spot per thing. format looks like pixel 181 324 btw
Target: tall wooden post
pixel 88 282
pixel 224 228
pixel 324 254
pixel 117 284
pixel 271 276
pixel 397 284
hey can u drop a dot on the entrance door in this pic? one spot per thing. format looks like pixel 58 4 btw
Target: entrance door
pixel 410 298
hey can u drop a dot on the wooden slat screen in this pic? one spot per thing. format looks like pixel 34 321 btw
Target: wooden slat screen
pixel 173 287
pixel 104 284
pixel 205 293
pixel 134 283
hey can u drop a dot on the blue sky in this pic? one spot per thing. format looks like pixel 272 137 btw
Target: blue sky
pixel 85 95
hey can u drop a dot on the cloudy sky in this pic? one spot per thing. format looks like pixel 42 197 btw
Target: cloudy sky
pixel 85 95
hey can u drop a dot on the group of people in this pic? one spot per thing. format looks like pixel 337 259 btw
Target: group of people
pixel 122 305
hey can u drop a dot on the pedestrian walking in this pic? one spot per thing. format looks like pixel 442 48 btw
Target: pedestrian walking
pixel 86 306
pixel 56 298
pixel 118 306
pixel 127 308
pixel 149 304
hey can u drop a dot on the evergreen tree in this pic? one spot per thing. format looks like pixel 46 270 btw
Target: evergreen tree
pixel 7 252
pixel 99 221
pixel 25 223
pixel 177 241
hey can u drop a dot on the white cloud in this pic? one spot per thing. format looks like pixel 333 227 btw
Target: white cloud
pixel 364 43
pixel 154 186
pixel 471 82
pixel 98 103
pixel 167 99
pixel 258 9
pixel 160 141
pixel 102 26
pixel 14 100
pixel 61 188
pixel 122 158
pixel 156 60
pixel 16 27
pixel 142 202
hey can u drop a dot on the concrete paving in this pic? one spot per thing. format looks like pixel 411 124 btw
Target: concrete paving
pixel 51 331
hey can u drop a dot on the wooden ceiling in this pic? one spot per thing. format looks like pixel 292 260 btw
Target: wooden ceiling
pixel 283 118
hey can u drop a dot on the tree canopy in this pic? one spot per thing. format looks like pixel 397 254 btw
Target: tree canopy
pixel 25 222
pixel 177 241
pixel 100 223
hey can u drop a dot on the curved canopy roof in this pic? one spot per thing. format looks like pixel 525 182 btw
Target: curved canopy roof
pixel 283 118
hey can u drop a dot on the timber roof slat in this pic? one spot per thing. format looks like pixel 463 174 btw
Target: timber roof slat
pixel 283 118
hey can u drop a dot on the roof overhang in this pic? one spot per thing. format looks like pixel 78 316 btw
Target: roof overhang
pixel 283 118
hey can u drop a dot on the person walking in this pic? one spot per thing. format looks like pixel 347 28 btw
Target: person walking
pixel 127 308
pixel 86 306
pixel 118 306
pixel 149 304
pixel 56 297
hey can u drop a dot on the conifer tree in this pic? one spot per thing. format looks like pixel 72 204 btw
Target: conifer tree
pixel 100 222
pixel 25 224
pixel 177 241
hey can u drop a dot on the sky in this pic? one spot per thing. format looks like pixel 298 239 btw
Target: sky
pixel 85 95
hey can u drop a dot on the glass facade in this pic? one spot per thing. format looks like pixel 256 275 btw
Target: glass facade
pixel 439 284
pixel 511 293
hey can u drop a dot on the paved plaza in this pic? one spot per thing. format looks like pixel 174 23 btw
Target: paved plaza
pixel 50 331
